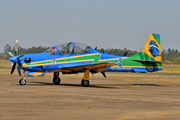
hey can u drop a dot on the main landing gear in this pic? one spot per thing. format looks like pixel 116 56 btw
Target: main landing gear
pixel 23 80
pixel 84 81
pixel 56 79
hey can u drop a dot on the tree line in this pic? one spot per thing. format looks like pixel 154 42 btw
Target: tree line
pixel 21 50
pixel 170 54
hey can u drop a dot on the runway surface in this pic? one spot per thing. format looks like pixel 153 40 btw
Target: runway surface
pixel 105 99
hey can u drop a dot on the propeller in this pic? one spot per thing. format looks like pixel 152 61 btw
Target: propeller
pixel 18 66
pixel 14 63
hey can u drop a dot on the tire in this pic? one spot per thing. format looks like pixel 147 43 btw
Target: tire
pixel 85 83
pixel 56 80
pixel 22 82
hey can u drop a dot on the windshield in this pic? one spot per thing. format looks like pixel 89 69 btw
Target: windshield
pixel 81 48
pixel 52 51
pixel 69 48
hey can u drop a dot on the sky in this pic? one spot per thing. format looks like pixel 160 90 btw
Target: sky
pixel 98 23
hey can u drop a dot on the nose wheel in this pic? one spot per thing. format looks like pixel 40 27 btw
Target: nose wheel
pixel 23 80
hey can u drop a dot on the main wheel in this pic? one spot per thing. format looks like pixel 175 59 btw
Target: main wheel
pixel 22 82
pixel 56 80
pixel 85 83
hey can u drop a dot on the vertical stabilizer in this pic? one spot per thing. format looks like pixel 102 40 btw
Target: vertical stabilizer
pixel 149 57
pixel 153 47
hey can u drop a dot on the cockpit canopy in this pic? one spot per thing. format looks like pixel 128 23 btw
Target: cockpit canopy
pixel 68 48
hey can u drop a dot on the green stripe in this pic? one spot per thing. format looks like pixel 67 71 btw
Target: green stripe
pixel 157 39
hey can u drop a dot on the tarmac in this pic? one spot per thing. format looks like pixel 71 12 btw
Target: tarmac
pixel 105 99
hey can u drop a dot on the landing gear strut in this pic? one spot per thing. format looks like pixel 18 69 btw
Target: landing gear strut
pixel 85 80
pixel 23 80
pixel 56 79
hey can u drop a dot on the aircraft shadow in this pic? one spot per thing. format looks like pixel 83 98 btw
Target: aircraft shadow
pixel 62 84
pixel 132 84
pixel 147 85
pixel 111 86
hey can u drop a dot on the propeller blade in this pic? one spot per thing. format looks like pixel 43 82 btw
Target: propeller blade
pixel 15 52
pixel 10 53
pixel 19 69
pixel 13 67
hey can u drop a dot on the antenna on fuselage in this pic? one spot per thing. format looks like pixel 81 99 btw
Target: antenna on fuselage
pixel 125 54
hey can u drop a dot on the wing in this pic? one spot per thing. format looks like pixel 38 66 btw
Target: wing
pixel 89 66
pixel 98 67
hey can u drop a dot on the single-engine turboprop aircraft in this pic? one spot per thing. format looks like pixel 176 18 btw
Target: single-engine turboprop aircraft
pixel 73 58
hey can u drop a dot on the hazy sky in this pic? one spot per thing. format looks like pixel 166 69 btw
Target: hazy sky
pixel 102 23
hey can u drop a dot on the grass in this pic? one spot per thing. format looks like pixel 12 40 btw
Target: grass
pixel 171 68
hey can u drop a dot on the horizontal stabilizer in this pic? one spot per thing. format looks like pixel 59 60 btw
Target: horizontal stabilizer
pixel 152 61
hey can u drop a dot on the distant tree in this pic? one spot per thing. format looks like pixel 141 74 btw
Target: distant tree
pixel 118 52
pixel 7 48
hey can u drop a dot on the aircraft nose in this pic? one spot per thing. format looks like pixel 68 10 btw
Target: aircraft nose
pixel 14 59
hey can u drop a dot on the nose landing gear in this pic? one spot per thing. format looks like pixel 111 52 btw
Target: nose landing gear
pixel 23 80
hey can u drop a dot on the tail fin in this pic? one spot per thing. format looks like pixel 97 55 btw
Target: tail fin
pixel 152 48
pixel 151 52
pixel 149 60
